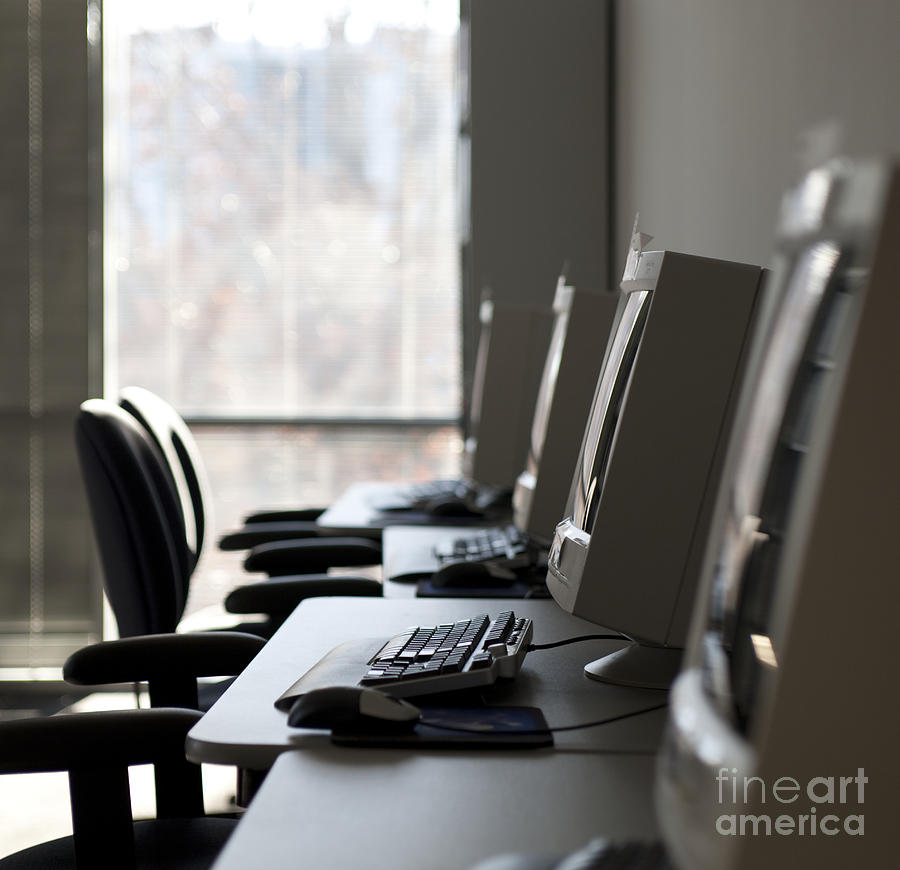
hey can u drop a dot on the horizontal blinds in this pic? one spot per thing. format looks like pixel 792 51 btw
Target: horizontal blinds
pixel 49 600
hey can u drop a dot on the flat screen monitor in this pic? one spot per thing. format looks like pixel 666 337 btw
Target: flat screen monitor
pixel 777 750
pixel 626 554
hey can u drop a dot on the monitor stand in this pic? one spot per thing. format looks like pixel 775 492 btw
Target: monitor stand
pixel 644 667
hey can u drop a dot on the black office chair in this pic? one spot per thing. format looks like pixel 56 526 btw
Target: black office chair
pixel 96 750
pixel 305 553
pixel 142 538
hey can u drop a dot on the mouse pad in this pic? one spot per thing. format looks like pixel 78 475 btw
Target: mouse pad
pixel 480 728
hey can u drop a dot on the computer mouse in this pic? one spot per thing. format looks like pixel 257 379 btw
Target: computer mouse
pixel 450 506
pixel 497 498
pixel 470 575
pixel 352 708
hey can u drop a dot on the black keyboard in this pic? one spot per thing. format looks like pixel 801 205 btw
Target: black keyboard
pixel 417 496
pixel 474 652
pixel 505 545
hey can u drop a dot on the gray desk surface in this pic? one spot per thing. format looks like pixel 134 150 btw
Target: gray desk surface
pixel 352 809
pixel 245 729
pixel 352 513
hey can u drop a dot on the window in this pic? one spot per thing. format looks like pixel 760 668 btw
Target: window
pixel 280 246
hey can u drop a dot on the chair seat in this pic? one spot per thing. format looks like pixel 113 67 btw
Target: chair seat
pixel 173 844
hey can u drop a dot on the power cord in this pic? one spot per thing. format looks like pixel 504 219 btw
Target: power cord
pixel 532 647
pixel 537 646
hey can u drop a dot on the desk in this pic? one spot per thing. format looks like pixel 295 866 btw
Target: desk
pixel 243 727
pixel 333 808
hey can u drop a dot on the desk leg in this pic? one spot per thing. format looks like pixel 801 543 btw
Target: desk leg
pixel 248 782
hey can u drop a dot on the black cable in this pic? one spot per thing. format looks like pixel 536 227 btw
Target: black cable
pixel 535 731
pixel 609 719
pixel 536 646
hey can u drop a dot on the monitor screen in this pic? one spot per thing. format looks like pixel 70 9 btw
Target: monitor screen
pixel 485 316
pixel 771 450
pixel 601 428
pixel 549 376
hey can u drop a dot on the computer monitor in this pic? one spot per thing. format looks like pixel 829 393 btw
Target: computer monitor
pixel 627 553
pixel 512 343
pixel 582 321
pixel 780 748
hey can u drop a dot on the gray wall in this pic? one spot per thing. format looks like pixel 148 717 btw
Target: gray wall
pixel 538 123
pixel 713 96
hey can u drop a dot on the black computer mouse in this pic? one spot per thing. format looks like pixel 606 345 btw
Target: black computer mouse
pixel 470 575
pixel 352 708
pixel 450 506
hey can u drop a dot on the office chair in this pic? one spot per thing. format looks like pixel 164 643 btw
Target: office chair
pixel 172 666
pixel 306 554
pixel 95 749
pixel 142 535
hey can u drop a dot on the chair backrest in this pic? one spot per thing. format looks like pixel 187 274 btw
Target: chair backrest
pixel 137 519
pixel 185 465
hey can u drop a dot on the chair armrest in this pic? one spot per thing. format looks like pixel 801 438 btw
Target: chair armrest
pixel 96 749
pixel 312 556
pixel 160 656
pixel 279 596
pixel 261 532
pixel 82 739
pixel 284 515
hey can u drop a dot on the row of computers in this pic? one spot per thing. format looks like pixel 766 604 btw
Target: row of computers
pixel 734 494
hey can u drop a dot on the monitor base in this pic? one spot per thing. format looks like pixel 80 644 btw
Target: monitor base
pixel 645 667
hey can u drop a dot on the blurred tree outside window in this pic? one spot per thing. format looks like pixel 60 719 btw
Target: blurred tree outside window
pixel 280 239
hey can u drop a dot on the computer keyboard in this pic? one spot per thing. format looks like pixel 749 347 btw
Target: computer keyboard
pixel 416 496
pixel 464 654
pixel 423 660
pixel 419 496
pixel 507 545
